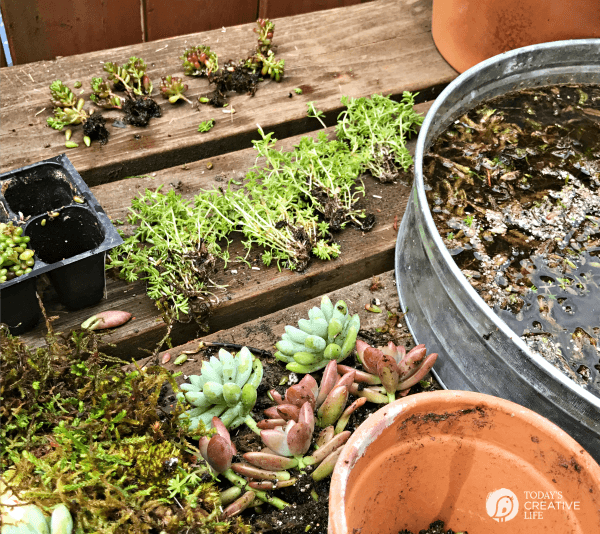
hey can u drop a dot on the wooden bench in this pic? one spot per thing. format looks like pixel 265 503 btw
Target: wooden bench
pixel 382 47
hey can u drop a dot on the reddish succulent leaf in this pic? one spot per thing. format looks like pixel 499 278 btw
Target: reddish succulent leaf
pixel 271 423
pixel 325 435
pixel 307 415
pixel 360 349
pixel 275 395
pixel 411 362
pixel 288 412
pixel 330 377
pixel 299 394
pixel 299 438
pixel 222 431
pixel 360 376
pixel 420 374
pixel 219 453
pixel 371 357
pixel 272 412
pixel 271 462
pixel 347 379
pixel 334 405
pixel 387 371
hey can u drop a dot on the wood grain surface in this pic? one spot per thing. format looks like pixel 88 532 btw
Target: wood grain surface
pixel 383 46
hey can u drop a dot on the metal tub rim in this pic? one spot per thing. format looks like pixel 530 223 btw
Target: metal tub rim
pixel 510 65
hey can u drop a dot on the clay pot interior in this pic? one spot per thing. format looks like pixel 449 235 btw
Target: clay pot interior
pixel 467 32
pixel 441 455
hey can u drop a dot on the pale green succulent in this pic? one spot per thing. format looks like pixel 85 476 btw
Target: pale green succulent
pixel 329 334
pixel 225 388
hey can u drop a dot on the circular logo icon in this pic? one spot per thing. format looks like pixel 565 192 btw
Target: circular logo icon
pixel 502 505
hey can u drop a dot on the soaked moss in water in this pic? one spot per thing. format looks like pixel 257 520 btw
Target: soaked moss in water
pixel 514 187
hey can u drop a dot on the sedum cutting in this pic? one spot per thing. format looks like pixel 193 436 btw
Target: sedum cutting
pixel 288 205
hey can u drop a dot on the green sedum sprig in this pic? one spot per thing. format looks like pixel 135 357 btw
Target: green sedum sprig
pixel 378 127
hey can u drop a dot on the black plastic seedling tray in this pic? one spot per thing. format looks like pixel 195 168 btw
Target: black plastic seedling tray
pixel 69 237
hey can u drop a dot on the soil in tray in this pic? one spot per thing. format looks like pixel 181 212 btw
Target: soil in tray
pixel 514 187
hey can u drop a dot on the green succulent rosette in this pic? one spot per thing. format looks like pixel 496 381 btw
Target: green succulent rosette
pixel 329 334
pixel 225 388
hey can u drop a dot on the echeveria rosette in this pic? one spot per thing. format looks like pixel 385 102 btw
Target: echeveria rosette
pixel 225 388
pixel 392 367
pixel 329 334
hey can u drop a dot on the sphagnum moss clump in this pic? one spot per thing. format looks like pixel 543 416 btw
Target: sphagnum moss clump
pixel 79 428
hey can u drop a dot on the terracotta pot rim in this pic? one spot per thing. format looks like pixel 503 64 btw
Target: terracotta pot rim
pixel 434 401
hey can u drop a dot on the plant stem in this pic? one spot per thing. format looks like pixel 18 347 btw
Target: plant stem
pixel 263 496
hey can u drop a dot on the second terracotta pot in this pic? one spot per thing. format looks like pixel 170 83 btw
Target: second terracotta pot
pixel 477 462
pixel 468 31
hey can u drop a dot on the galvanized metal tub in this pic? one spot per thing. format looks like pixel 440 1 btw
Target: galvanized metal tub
pixel 478 351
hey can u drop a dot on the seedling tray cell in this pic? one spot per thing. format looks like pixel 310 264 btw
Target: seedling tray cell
pixel 69 232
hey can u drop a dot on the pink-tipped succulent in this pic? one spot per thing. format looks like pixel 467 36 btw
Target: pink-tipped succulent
pixel 218 451
pixel 295 438
pixel 329 399
pixel 392 367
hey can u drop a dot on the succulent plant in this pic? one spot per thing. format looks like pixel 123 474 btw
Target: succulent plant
pixel 65 116
pixel 288 431
pixel 199 61
pixel 329 399
pixel 173 88
pixel 103 96
pixel 392 367
pixel 130 77
pixel 329 334
pixel 62 96
pixel 18 517
pixel 225 388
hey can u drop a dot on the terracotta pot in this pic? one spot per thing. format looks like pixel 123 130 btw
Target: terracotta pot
pixel 468 31
pixel 474 461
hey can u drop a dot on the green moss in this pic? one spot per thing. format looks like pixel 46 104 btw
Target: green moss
pixel 87 430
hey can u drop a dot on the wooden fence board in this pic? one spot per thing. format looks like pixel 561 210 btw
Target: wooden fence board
pixel 383 46
pixel 251 293
pixel 168 18
pixel 283 8
pixel 42 30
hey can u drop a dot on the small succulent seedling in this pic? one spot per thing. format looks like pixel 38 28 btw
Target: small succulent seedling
pixel 103 96
pixel 173 88
pixel 206 126
pixel 226 388
pixel 328 334
pixel 131 77
pixel 199 61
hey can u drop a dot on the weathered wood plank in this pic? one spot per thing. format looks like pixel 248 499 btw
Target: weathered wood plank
pixel 251 293
pixel 383 46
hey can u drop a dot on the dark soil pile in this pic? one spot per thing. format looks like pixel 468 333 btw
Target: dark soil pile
pixel 140 110
pixel 95 128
